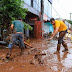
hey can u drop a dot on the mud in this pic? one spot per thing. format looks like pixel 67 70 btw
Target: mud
pixel 40 58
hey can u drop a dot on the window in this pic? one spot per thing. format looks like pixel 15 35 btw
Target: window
pixel 32 3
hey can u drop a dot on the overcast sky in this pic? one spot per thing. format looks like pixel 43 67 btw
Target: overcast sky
pixel 63 8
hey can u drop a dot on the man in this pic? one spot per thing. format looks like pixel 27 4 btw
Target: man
pixel 60 27
pixel 18 34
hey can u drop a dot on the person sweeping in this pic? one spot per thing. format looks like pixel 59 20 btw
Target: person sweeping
pixel 60 27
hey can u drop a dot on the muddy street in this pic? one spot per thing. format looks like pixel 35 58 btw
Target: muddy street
pixel 40 58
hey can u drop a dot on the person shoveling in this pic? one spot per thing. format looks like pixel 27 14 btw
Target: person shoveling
pixel 60 27
pixel 18 34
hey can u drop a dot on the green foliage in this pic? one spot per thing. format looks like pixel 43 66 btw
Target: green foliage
pixel 11 10
pixel 70 21
pixel 27 26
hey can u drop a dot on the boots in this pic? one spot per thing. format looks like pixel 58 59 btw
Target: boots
pixel 9 53
pixel 58 48
pixel 65 46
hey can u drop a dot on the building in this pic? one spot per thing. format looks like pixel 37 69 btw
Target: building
pixel 34 12
pixel 68 24
pixel 48 11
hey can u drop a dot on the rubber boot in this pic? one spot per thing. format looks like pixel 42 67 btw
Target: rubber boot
pixel 65 46
pixel 9 53
pixel 58 48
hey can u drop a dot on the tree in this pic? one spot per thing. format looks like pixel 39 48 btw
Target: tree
pixel 10 10
pixel 69 21
pixel 27 26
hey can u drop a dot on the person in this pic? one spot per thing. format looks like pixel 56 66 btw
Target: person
pixel 60 27
pixel 18 34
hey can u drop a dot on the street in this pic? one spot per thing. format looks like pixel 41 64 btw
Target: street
pixel 31 61
pixel 35 36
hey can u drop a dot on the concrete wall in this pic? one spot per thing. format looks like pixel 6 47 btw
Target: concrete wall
pixel 32 10
pixel 36 6
pixel 48 9
pixel 36 9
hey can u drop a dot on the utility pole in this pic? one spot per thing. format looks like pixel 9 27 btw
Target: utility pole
pixel 70 16
pixel 42 12
pixel 70 19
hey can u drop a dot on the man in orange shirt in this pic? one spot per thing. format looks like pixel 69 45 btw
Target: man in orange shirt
pixel 60 27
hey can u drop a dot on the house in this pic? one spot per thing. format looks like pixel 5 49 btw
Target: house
pixel 34 13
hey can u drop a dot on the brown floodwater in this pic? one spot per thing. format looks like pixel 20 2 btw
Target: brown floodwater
pixel 31 61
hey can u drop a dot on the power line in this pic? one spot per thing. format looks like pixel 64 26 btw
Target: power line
pixel 62 9
pixel 56 11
